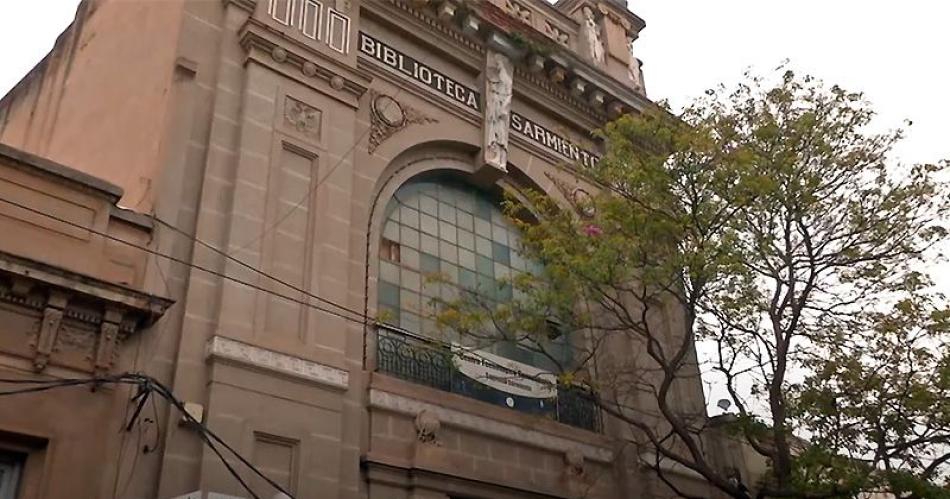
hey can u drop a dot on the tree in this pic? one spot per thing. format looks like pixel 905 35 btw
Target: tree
pixel 769 227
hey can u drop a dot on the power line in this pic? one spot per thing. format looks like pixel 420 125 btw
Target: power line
pixel 255 269
pixel 362 320
pixel 182 262
pixel 310 192
pixel 148 385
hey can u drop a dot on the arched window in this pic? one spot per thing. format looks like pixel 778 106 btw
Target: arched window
pixel 455 230
pixel 446 227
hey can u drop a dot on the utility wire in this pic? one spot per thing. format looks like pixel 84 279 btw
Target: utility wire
pixel 148 385
pixel 255 269
pixel 310 192
pixel 181 261
pixel 361 318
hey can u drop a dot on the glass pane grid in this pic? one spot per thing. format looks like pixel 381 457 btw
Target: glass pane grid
pixel 451 238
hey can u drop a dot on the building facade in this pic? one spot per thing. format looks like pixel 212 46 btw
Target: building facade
pixel 296 168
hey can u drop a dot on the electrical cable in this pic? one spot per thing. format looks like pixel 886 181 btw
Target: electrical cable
pixel 148 385
pixel 227 277
pixel 255 269
pixel 361 320
pixel 181 261
pixel 310 192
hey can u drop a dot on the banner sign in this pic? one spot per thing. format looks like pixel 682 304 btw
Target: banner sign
pixel 504 374
pixel 453 90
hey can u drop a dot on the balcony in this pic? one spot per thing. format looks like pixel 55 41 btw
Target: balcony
pixel 423 361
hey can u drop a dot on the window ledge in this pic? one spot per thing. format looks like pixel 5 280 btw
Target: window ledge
pixel 408 398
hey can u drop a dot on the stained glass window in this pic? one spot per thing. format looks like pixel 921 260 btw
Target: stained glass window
pixel 458 232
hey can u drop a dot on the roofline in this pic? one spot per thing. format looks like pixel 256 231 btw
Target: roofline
pixel 62 172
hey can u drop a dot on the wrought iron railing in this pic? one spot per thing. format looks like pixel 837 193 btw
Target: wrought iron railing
pixel 421 360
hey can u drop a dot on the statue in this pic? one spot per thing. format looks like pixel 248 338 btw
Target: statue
pixel 633 69
pixel 498 81
pixel 591 33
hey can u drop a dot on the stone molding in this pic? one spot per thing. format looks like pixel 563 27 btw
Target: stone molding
pixel 219 347
pixel 480 424
pixel 80 322
pixel 257 39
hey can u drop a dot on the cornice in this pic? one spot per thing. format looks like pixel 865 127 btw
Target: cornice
pixel 248 5
pixel 400 16
pixel 147 305
pixel 552 69
pixel 309 63
pixel 220 347
pixel 445 38
pixel 552 96
pixel 76 178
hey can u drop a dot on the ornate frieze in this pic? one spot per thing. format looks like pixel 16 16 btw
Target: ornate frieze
pixel 69 320
pixel 556 33
pixel 518 11
pixel 388 117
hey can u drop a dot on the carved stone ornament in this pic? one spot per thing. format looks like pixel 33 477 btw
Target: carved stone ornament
pixel 590 31
pixel 49 329
pixel 518 11
pixel 388 117
pixel 302 117
pixel 279 54
pixel 556 33
pixel 499 73
pixel 108 339
pixel 583 203
pixel 337 82
pixel 308 68
pixel 427 427
pixel 574 463
pixel 634 69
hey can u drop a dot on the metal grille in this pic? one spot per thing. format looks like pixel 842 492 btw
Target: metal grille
pixel 423 361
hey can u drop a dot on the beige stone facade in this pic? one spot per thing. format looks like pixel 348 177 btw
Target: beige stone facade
pixel 274 135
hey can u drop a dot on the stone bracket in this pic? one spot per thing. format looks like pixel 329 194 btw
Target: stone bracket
pixel 49 329
pixel 108 338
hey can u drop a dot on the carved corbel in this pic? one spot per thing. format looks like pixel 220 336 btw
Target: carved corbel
pixel 427 427
pixel 574 463
pixel 49 328
pixel 108 338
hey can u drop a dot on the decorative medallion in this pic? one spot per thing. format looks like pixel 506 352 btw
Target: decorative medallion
pixel 583 202
pixel 388 117
pixel 302 117
pixel 308 68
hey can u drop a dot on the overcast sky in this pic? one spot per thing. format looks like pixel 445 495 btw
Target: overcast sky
pixel 894 52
